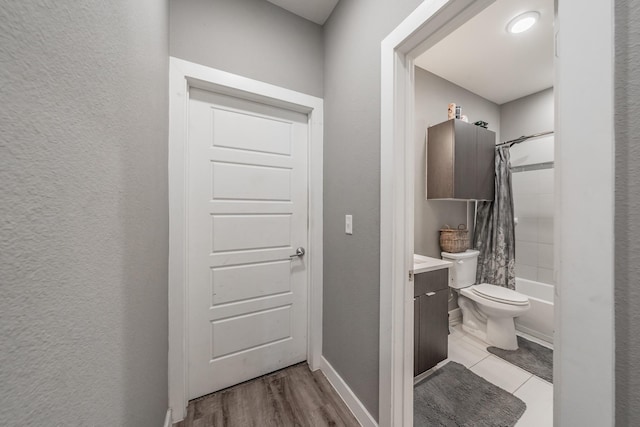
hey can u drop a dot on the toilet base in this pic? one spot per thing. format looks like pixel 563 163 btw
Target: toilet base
pixel 498 331
pixel 501 333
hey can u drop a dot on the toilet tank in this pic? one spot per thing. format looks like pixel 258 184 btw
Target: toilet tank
pixel 463 272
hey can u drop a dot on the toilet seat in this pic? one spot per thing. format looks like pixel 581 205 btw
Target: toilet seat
pixel 499 294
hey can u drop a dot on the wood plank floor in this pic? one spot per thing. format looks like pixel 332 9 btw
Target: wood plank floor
pixel 294 396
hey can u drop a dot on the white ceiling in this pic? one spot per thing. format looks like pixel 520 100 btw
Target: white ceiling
pixel 483 58
pixel 314 10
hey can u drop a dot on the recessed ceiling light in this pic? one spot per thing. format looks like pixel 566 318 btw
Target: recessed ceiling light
pixel 522 22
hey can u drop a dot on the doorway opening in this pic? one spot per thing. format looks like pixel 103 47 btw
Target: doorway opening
pixel 499 204
pixel 573 252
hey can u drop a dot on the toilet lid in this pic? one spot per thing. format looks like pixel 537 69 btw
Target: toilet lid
pixel 500 294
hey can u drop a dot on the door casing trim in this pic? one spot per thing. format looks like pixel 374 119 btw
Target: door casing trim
pixel 184 75
pixel 429 23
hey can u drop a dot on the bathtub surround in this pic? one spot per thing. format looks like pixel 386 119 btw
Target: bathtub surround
pixel 533 184
pixel 533 176
pixel 457 395
pixel 533 194
pixel 530 356
pixel 495 230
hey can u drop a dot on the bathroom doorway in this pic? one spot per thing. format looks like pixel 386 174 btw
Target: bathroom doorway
pixel 502 92
pixel 576 384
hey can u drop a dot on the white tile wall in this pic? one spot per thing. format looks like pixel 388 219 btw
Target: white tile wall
pixel 545 230
pixel 533 182
pixel 545 205
pixel 527 229
pixel 525 205
pixel 525 182
pixel 545 180
pixel 544 275
pixel 527 253
pixel 545 256
pixel 533 206
pixel 526 271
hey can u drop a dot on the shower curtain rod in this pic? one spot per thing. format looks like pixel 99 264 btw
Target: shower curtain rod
pixel 523 138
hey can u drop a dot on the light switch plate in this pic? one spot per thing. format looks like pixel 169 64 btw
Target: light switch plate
pixel 348 224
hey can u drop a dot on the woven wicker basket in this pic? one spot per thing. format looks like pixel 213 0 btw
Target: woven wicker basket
pixel 454 240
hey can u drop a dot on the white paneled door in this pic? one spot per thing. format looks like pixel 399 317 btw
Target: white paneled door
pixel 247 214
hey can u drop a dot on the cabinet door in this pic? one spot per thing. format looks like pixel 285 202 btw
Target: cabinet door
pixel 430 281
pixel 440 143
pixel 486 153
pixel 465 162
pixel 460 161
pixel 434 329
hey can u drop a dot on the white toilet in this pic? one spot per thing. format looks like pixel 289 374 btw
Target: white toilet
pixel 487 310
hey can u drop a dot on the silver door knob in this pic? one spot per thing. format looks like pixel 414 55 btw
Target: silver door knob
pixel 299 252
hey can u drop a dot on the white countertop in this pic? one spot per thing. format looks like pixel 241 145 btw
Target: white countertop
pixel 423 264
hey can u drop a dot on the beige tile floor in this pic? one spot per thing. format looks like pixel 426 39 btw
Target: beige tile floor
pixel 535 392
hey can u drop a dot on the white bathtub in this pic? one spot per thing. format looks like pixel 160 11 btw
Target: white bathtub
pixel 538 321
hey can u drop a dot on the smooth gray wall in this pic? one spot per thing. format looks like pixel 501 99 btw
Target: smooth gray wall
pixel 84 229
pixel 627 216
pixel 351 313
pixel 528 115
pixel 252 38
pixel 432 97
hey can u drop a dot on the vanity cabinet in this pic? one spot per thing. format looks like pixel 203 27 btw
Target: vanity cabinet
pixel 431 322
pixel 460 161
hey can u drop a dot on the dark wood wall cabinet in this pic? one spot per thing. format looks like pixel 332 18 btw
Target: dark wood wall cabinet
pixel 431 321
pixel 460 161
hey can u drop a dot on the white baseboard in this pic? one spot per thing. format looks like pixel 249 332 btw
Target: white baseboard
pixel 455 317
pixel 167 418
pixel 350 399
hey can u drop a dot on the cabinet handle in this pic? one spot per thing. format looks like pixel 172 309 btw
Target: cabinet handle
pixel 430 294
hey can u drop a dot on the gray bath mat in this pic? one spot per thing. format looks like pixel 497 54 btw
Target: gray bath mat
pixel 455 396
pixel 530 356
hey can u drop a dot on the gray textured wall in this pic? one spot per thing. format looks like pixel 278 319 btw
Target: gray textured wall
pixel 84 231
pixel 252 38
pixel 352 186
pixel 432 97
pixel 627 207
pixel 527 115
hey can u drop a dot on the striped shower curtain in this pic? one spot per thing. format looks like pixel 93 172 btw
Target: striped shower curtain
pixel 494 235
